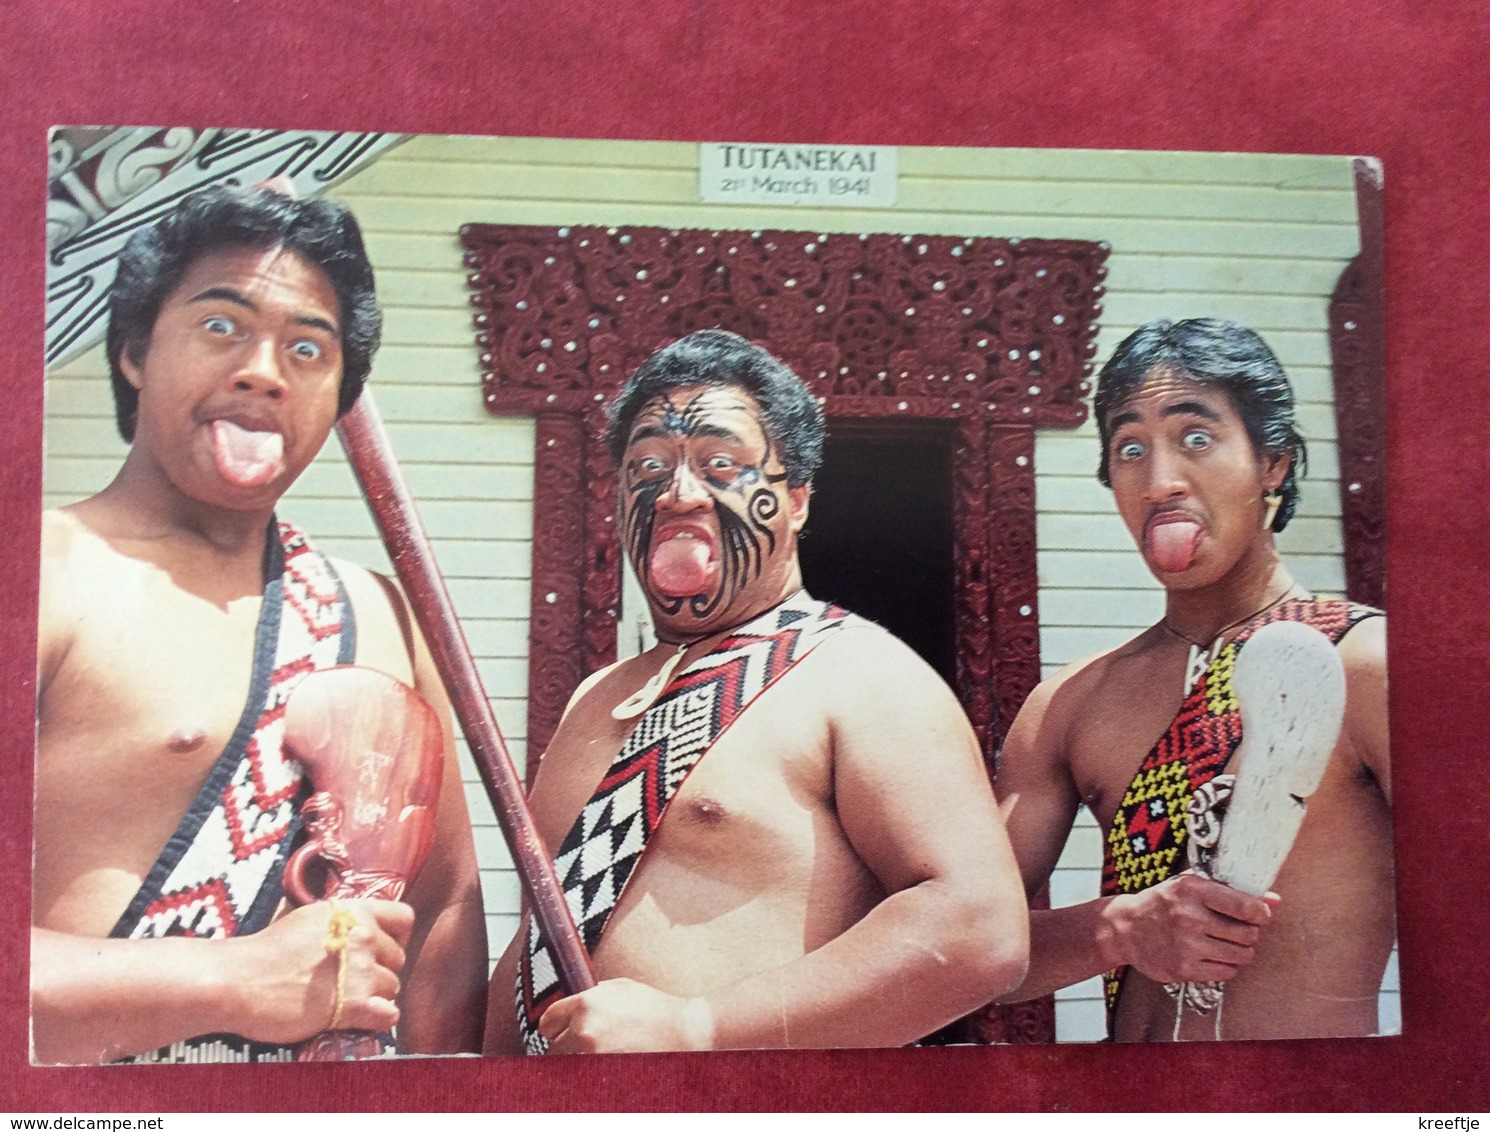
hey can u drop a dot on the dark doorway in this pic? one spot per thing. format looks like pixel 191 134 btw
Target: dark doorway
pixel 878 538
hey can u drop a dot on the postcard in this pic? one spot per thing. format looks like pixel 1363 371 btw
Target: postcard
pixel 790 501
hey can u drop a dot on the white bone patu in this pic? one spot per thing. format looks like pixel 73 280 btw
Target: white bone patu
pixel 1290 689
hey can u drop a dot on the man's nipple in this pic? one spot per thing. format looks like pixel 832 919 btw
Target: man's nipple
pixel 185 740
pixel 707 811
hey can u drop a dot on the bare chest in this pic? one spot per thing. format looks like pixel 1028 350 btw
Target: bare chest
pixel 759 780
pixel 144 701
pixel 156 668
pixel 1118 729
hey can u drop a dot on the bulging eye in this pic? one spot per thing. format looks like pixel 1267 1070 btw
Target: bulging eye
pixel 1130 450
pixel 1196 438
pixel 306 350
pixel 720 463
pixel 219 325
pixel 647 467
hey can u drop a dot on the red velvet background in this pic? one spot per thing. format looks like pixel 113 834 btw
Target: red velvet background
pixel 1404 81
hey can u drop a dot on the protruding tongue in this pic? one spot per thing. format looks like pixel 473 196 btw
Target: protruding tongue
pixel 681 567
pixel 1172 545
pixel 246 457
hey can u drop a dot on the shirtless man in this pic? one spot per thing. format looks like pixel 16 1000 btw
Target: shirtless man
pixel 241 326
pixel 833 872
pixel 1201 453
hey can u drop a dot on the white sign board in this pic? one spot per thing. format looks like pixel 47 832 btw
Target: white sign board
pixel 843 176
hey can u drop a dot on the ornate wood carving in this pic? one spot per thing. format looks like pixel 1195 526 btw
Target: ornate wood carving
pixel 973 627
pixel 992 335
pixel 1013 584
pixel 1358 358
pixel 556 612
pixel 992 327
pixel 105 183
pixel 601 551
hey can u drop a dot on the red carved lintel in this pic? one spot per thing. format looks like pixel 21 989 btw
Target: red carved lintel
pixel 1002 326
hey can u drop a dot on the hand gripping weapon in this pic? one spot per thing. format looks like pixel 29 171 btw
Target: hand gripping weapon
pixel 1290 689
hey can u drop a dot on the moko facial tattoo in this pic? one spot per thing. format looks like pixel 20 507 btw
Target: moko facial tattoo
pixel 705 507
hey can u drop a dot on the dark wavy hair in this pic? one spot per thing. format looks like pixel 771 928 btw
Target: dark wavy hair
pixel 227 217
pixel 1211 351
pixel 792 415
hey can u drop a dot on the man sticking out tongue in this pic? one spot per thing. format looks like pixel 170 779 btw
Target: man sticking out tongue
pixel 1172 540
pixel 1203 458
pixel 683 563
pixel 775 824
pixel 178 613
pixel 247 457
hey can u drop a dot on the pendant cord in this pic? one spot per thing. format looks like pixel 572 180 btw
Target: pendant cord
pixel 1189 640
pixel 647 694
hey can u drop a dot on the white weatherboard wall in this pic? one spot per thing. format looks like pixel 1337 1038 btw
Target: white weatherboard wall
pixel 1260 239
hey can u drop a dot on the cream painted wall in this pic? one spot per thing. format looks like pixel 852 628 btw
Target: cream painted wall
pixel 1256 238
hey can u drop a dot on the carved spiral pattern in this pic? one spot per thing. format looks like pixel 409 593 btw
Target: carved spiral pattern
pixel 1005 323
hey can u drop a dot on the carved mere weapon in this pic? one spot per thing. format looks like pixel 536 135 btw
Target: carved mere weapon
pixel 371 457
pixel 1290 689
pixel 374 752
pixel 1289 685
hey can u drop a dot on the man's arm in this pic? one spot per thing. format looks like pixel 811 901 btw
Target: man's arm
pixel 96 1000
pixel 914 801
pixel 1185 929
pixel 1363 652
pixel 1039 802
pixel 443 1002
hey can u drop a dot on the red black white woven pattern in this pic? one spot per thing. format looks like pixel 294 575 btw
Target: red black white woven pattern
pixel 219 874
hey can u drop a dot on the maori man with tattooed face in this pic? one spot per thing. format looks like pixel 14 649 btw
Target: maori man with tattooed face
pixel 774 828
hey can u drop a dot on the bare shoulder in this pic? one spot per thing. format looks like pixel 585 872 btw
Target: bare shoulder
pixel 367 590
pixel 386 636
pixel 1066 695
pixel 865 668
pixel 358 579
pixel 879 701
pixel 1363 650
pixel 60 531
pixel 74 536
pixel 70 557
pixel 589 683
